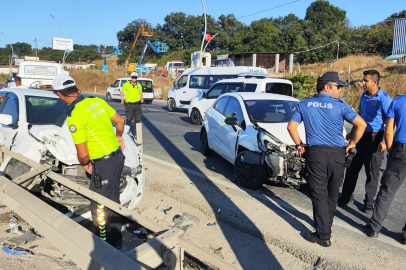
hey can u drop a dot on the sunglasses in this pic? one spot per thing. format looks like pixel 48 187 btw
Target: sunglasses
pixel 133 77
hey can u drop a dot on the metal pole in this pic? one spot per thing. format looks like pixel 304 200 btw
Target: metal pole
pixel 209 42
pixel 205 27
pixel 349 74
pixel 12 53
pixel 63 57
pixel 338 49
pixel 36 49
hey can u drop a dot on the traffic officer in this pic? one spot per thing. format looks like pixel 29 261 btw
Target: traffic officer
pixel 323 116
pixel 99 151
pixel 133 100
pixel 373 106
pixel 395 172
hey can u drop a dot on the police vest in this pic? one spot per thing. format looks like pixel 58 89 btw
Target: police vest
pixel 132 92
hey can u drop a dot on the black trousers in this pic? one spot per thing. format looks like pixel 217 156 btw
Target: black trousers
pixel 107 222
pixel 133 112
pixel 367 155
pixel 326 171
pixel 391 181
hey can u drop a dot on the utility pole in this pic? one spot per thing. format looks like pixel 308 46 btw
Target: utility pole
pixel 36 58
pixel 338 48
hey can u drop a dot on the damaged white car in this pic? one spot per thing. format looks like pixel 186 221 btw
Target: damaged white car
pixel 33 123
pixel 250 131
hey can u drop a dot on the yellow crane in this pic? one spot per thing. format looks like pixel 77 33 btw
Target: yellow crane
pixel 145 33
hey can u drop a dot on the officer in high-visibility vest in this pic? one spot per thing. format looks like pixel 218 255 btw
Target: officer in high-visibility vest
pixel 99 151
pixel 133 100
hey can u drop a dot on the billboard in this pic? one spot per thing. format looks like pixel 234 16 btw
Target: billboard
pixel 59 44
pixel 399 37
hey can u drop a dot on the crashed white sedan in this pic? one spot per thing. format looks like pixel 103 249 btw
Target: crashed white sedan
pixel 250 131
pixel 33 123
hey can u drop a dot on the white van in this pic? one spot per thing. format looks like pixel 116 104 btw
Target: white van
pixel 35 74
pixel 195 81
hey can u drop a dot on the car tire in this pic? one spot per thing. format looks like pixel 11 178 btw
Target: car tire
pixel 172 105
pixel 148 102
pixel 204 144
pixel 195 117
pixel 250 176
pixel 108 97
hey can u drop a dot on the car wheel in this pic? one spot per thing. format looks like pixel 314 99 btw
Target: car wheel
pixel 108 97
pixel 204 144
pixel 148 102
pixel 172 105
pixel 249 175
pixel 196 117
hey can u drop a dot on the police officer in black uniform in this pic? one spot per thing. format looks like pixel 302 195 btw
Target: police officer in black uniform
pixel 395 172
pixel 323 115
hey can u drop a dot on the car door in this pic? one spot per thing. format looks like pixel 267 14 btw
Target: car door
pixel 216 120
pixel 197 85
pixel 181 92
pixel 9 105
pixel 115 89
pixel 229 136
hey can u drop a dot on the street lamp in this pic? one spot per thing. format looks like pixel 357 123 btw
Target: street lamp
pixel 205 28
pixel 64 52
pixel 12 52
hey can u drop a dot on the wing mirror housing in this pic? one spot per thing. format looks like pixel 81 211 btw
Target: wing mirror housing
pixel 174 85
pixel 5 119
pixel 204 95
pixel 232 121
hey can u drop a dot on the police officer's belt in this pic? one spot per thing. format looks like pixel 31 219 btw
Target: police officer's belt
pixel 400 145
pixel 115 153
pixel 138 102
pixel 340 150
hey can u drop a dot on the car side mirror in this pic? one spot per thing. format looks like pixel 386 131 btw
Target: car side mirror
pixel 5 119
pixel 111 85
pixel 232 121
pixel 204 95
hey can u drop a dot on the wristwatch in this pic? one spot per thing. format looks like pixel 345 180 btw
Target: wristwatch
pixel 297 145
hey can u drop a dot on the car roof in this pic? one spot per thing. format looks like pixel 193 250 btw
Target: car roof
pixel 255 80
pixel 31 92
pixel 129 78
pixel 222 70
pixel 260 96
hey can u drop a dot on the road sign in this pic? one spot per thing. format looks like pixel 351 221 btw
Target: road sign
pixel 59 44
pixel 207 37
pixel 67 51
pixel 15 55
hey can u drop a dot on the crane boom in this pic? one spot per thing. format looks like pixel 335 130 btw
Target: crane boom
pixel 145 33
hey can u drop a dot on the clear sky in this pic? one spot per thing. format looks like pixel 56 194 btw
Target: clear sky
pixel 97 22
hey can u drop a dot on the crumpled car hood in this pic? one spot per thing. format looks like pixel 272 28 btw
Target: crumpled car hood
pixel 58 141
pixel 280 131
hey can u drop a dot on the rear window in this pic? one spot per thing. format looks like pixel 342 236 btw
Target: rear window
pixel 146 86
pixel 279 88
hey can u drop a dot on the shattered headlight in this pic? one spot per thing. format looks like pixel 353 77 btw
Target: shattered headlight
pixel 127 171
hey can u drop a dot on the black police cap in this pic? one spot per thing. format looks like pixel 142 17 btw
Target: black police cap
pixel 332 76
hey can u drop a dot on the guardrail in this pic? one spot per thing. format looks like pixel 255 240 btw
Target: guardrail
pixel 83 247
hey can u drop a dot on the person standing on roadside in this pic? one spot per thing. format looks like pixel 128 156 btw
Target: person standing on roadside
pixel 395 172
pixel 132 102
pixel 373 106
pixel 17 80
pixel 323 115
pixel 99 151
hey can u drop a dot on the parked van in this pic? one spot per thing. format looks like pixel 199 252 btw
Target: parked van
pixel 196 81
pixel 199 105
pixel 39 75
pixel 113 92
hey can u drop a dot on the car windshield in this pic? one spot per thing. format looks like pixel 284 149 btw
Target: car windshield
pixel 178 64
pixel 45 111
pixel 270 111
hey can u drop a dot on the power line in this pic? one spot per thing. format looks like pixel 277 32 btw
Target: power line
pixel 335 41
pixel 268 9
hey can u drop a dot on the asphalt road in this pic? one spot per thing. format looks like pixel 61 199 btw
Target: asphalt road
pixel 171 137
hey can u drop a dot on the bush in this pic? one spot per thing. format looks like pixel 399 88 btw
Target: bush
pixel 304 85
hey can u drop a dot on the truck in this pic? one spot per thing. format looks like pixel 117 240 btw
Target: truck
pixel 39 75
pixel 174 68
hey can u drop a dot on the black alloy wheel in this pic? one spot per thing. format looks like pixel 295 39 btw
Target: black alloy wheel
pixel 196 117
pixel 172 105
pixel 204 144
pixel 250 176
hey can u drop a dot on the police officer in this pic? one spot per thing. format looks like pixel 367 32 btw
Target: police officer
pixel 373 106
pixel 396 167
pixel 99 151
pixel 133 100
pixel 323 116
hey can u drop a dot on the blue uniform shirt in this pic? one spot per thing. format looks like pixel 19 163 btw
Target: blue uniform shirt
pixel 397 111
pixel 323 118
pixel 373 110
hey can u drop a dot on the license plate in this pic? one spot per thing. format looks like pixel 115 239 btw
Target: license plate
pixel 148 95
